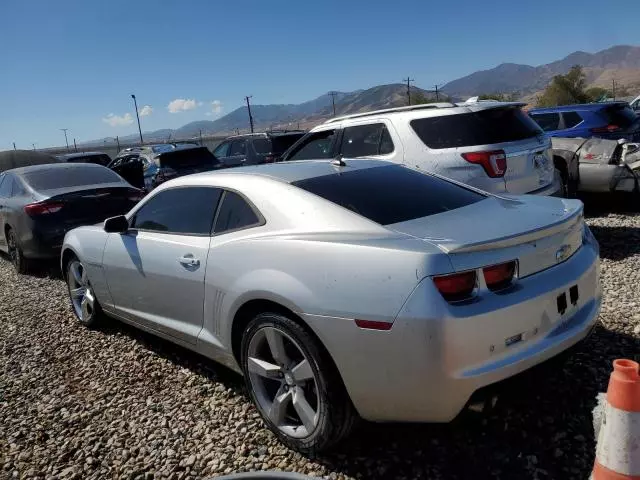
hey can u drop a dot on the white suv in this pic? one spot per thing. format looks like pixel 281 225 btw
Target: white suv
pixel 493 146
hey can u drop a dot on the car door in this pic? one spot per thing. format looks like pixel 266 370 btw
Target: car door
pixel 156 270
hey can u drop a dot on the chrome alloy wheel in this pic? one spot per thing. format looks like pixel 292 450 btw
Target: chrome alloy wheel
pixel 284 384
pixel 80 291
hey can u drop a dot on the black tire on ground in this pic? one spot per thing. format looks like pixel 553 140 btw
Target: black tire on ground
pixel 20 263
pixel 97 318
pixel 336 415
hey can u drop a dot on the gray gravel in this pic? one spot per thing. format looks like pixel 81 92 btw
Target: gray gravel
pixel 118 403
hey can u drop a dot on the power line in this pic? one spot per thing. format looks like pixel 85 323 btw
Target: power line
pixel 333 101
pixel 249 110
pixel 65 137
pixel 408 80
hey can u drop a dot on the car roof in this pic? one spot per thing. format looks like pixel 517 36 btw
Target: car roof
pixel 577 107
pixel 289 172
pixel 79 154
pixel 53 166
pixel 279 133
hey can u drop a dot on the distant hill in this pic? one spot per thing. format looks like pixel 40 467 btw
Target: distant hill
pixel 621 63
pixel 525 79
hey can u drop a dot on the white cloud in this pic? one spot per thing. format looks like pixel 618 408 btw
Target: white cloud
pixel 146 110
pixel 216 107
pixel 181 105
pixel 118 121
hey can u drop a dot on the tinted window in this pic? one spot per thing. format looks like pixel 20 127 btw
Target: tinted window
pixel 280 143
pixel 162 148
pixel 222 150
pixel 571 119
pixel 179 210
pixel 5 186
pixel 495 125
pixel 390 194
pixel 547 121
pixel 620 115
pixel 365 140
pixel 76 176
pixel 238 147
pixel 314 146
pixel 188 158
pixel 234 213
pixel 262 145
pixel 16 189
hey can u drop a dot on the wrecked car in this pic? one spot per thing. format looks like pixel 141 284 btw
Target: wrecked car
pixel 599 165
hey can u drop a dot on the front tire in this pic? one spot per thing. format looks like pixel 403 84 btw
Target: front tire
pixel 83 301
pixel 20 263
pixel 294 384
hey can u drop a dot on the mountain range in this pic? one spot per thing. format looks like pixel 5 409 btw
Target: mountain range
pixel 621 63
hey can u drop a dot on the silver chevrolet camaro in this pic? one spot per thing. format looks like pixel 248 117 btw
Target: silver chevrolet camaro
pixel 344 288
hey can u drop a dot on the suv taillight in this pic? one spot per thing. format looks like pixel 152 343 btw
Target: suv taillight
pixel 494 162
pixel 607 129
pixel 43 208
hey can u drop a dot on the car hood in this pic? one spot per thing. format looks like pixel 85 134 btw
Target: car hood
pixel 495 222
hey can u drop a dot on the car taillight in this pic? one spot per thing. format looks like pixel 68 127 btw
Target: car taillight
pixel 43 208
pixel 499 276
pixel 607 129
pixel 456 287
pixel 494 162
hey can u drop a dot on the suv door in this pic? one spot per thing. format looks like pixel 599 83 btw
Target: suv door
pixel 156 270
pixel 237 154
pixel 221 152
pixel 314 145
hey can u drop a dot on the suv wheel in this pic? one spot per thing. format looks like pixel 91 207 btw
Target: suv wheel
pixel 295 387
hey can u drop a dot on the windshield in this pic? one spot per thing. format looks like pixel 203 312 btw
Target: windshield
pixel 54 178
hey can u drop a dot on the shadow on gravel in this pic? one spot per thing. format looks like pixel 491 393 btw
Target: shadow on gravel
pixel 617 243
pixel 40 269
pixel 540 428
pixel 602 204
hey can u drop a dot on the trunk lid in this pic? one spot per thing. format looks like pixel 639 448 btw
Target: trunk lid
pixel 538 232
pixel 529 165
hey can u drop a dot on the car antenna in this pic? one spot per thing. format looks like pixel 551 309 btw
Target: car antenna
pixel 338 161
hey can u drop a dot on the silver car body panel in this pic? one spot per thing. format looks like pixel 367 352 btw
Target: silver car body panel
pixel 330 266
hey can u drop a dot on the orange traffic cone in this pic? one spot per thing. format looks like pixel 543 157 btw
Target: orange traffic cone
pixel 618 450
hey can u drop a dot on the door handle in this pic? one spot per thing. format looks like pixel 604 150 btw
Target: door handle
pixel 189 261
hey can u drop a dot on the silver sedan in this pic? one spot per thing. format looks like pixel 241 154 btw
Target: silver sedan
pixel 344 288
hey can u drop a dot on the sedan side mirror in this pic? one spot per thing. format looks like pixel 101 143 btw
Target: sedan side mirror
pixel 118 224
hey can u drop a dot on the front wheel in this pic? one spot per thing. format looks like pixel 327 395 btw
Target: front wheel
pixel 84 303
pixel 294 384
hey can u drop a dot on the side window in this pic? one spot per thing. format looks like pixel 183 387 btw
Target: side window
pixel 17 190
pixel 547 121
pixel 366 140
pixel 571 119
pixel 315 146
pixel 5 186
pixel 238 147
pixel 235 213
pixel 188 210
pixel 222 150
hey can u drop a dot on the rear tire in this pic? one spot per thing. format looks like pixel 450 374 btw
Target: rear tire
pixel 20 263
pixel 294 384
pixel 85 305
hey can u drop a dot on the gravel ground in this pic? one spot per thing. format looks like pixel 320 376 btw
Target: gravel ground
pixel 117 403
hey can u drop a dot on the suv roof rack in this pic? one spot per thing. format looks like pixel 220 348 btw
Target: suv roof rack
pixel 426 106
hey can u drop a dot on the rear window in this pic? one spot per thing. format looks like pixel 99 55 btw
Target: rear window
pixel 495 125
pixel 188 158
pixel 390 194
pixel 76 176
pixel 547 121
pixel 620 115
pixel 262 145
pixel 97 159
pixel 162 148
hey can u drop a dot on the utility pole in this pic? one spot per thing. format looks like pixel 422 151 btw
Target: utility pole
pixel 200 137
pixel 437 93
pixel 118 143
pixel 65 137
pixel 408 80
pixel 135 104
pixel 34 146
pixel 14 146
pixel 249 109
pixel 613 82
pixel 74 145
pixel 333 101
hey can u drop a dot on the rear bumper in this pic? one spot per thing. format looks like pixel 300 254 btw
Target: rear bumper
pixel 41 244
pixel 436 355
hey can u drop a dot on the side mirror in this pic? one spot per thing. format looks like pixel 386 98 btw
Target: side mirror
pixel 118 224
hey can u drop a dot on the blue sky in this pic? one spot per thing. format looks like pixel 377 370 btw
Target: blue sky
pixel 74 63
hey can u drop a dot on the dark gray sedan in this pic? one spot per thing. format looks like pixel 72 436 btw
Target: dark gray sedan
pixel 39 204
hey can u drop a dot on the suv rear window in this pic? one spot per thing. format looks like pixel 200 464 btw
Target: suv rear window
pixel 620 115
pixel 52 178
pixel 399 193
pixel 187 158
pixel 495 125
